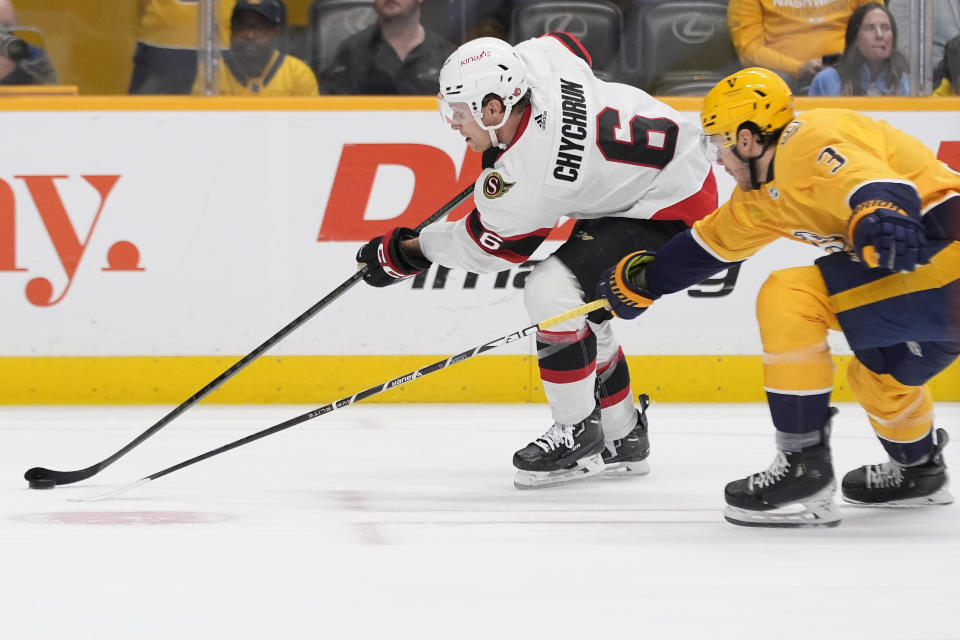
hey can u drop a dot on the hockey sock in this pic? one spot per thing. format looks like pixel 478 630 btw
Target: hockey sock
pixel 616 398
pixel 568 361
pixel 909 453
pixel 799 419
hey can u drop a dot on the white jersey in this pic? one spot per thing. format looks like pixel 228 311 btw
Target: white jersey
pixel 585 149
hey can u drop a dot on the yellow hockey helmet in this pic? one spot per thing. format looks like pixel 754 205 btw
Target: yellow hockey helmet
pixel 754 95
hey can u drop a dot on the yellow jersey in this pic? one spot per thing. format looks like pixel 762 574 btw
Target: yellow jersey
pixel 283 75
pixel 833 167
pixel 784 34
pixel 827 162
pixel 945 90
pixel 174 24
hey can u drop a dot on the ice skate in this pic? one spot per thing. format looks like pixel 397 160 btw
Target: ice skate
pixel 628 455
pixel 890 484
pixel 796 491
pixel 563 454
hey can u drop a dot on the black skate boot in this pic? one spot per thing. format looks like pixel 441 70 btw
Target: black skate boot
pixel 628 455
pixel 563 454
pixel 796 491
pixel 891 484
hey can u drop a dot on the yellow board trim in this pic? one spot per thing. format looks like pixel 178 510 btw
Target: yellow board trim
pixel 322 379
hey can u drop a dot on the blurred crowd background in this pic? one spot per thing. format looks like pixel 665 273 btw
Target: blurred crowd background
pixel 373 47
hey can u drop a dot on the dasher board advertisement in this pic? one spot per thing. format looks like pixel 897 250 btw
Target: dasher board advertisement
pixel 167 231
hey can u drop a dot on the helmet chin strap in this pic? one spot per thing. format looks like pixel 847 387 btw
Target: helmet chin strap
pixel 493 139
pixel 752 164
pixel 492 131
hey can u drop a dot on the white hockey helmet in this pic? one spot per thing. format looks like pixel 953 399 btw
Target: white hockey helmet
pixel 477 69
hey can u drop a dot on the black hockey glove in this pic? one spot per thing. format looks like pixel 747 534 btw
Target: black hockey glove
pixel 386 262
pixel 623 286
pixel 889 239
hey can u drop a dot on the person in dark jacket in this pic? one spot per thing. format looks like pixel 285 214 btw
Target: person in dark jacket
pixel 397 55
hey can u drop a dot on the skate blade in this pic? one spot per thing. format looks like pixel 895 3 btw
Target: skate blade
pixel 626 469
pixel 941 497
pixel 819 515
pixel 819 510
pixel 584 468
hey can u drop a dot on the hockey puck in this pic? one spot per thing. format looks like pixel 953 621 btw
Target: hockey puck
pixel 42 483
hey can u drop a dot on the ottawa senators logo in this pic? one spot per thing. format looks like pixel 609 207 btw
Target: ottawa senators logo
pixel 495 186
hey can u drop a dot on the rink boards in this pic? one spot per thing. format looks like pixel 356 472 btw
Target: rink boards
pixel 147 244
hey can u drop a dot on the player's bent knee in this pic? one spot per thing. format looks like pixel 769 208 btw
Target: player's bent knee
pixel 550 289
pixel 790 294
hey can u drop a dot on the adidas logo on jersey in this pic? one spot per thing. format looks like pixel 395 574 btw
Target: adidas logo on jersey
pixel 541 120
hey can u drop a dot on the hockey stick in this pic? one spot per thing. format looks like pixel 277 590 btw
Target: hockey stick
pixel 68 477
pixel 367 393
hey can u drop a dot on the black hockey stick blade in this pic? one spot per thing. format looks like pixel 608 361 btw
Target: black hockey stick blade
pixel 69 477
pixel 366 393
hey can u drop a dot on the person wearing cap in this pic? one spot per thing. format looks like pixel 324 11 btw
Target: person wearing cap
pixel 396 55
pixel 165 60
pixel 254 66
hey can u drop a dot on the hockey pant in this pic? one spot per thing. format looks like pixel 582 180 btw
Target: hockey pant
pixel 795 310
pixel 579 360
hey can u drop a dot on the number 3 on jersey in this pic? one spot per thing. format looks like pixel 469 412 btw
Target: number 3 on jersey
pixel 652 143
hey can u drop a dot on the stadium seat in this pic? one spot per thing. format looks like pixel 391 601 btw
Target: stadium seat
pixel 445 17
pixel 684 83
pixel 680 44
pixel 596 23
pixel 333 21
pixel 296 42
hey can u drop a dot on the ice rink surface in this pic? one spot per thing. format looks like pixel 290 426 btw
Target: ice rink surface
pixel 383 521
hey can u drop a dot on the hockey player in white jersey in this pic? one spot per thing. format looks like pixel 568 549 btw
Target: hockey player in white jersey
pixel 557 141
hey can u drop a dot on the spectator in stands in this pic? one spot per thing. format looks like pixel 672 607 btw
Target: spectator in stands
pixel 490 19
pixel 946 24
pixel 789 38
pixel 949 69
pixel 396 55
pixel 34 67
pixel 165 61
pixel 254 66
pixel 870 64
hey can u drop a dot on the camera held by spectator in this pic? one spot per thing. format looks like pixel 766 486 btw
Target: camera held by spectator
pixel 11 46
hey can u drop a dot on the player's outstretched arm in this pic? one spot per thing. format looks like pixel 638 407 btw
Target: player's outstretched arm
pixel 641 277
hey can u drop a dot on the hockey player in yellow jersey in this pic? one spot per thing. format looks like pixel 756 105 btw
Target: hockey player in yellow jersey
pixel 887 214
